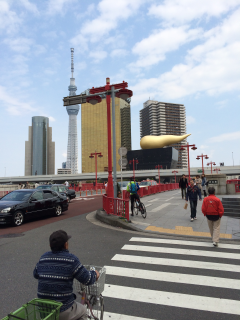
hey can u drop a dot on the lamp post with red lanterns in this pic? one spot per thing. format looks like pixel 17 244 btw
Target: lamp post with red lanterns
pixel 159 166
pixel 211 163
pixel 217 169
pixel 193 147
pixel 202 156
pixel 119 90
pixel 174 171
pixel 133 161
pixel 92 155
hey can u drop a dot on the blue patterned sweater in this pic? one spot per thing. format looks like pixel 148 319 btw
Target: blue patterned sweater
pixel 55 272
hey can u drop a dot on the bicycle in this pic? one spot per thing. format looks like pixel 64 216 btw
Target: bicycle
pixel 139 206
pixel 91 296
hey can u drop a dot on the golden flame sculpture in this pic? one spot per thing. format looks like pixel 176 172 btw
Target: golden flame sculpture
pixel 153 142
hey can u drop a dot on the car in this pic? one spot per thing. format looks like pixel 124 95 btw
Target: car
pixel 60 188
pixel 146 183
pixel 20 205
pixel 123 185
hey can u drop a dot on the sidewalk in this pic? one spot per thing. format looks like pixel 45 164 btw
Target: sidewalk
pixel 165 214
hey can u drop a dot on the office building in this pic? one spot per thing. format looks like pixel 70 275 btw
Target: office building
pixel 64 171
pixel 39 149
pixel 162 118
pixel 64 165
pixel 72 147
pixel 94 132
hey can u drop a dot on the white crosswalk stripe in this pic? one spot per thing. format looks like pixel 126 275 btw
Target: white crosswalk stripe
pixel 135 275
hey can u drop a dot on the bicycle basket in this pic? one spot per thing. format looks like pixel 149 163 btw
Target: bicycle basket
pixel 37 309
pixel 96 288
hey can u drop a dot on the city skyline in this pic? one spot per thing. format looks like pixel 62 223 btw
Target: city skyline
pixel 195 65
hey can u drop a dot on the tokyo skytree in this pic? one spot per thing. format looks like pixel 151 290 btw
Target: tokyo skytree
pixel 72 148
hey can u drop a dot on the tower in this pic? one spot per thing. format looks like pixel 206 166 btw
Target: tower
pixel 163 118
pixel 72 148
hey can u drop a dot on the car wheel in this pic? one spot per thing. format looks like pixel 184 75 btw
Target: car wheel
pixel 58 210
pixel 68 199
pixel 18 218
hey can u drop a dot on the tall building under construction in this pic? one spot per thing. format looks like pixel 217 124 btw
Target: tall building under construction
pixel 163 118
pixel 95 136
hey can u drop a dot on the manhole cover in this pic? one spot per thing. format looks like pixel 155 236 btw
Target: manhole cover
pixel 12 235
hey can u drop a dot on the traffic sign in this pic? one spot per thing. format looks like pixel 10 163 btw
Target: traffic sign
pixel 122 151
pixel 123 162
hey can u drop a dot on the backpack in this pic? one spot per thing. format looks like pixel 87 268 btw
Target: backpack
pixel 133 188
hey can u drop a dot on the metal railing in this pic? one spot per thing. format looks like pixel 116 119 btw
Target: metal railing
pixel 116 206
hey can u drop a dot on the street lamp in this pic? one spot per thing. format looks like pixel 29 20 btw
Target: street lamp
pixel 193 148
pixel 133 161
pixel 217 169
pixel 92 155
pixel 94 98
pixel 174 171
pixel 211 163
pixel 202 156
pixel 159 166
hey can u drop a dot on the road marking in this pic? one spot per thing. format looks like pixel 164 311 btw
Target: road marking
pixel 187 252
pixel 116 316
pixel 177 263
pixel 143 223
pixel 155 199
pixel 160 207
pixel 185 243
pixel 148 205
pixel 173 299
pixel 170 198
pixel 174 277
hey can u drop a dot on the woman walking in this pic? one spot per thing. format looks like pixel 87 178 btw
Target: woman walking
pixel 204 187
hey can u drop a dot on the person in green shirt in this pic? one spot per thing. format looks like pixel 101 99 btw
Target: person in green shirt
pixel 133 188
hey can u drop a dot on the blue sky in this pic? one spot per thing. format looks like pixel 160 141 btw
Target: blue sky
pixel 180 51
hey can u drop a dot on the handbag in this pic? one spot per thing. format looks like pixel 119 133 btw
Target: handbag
pixel 185 206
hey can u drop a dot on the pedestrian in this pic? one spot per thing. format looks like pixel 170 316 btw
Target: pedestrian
pixel 27 186
pixel 36 185
pixel 204 182
pixel 66 183
pixel 183 184
pixel 198 182
pixel 212 208
pixel 193 192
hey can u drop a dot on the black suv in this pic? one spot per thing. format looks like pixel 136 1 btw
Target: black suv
pixel 60 188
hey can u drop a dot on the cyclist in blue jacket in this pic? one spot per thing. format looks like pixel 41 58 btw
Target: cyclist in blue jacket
pixel 133 188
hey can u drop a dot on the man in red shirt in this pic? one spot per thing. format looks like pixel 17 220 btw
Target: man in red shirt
pixel 212 208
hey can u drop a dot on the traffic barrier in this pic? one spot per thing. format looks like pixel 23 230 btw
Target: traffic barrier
pixel 121 207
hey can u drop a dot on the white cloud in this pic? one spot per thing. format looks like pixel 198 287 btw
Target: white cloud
pixel 13 105
pixel 98 55
pixel 190 119
pixel 9 20
pixel 64 154
pixel 177 12
pixel 118 53
pixel 58 6
pixel 226 137
pixel 20 45
pixel 154 48
pixel 29 6
pixel 110 14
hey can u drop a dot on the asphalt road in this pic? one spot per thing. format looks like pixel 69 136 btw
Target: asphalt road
pixel 146 279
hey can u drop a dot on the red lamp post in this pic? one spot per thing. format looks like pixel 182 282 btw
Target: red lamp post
pixel 211 163
pixel 217 169
pixel 202 156
pixel 122 93
pixel 92 155
pixel 174 171
pixel 133 161
pixel 193 148
pixel 159 167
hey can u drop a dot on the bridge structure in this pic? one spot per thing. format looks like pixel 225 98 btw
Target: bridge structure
pixel 139 174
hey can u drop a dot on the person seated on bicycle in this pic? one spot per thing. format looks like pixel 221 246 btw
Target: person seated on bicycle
pixel 132 188
pixel 55 272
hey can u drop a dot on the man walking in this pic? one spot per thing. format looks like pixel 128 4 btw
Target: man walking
pixel 183 184
pixel 193 192
pixel 133 188
pixel 55 272
pixel 212 208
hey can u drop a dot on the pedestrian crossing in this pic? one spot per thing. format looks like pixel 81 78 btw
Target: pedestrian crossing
pixel 173 279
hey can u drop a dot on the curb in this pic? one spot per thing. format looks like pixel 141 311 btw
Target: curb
pixel 116 222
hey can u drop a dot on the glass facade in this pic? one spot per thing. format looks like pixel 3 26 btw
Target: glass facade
pixel 39 145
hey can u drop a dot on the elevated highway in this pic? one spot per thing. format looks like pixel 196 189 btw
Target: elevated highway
pixel 142 174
